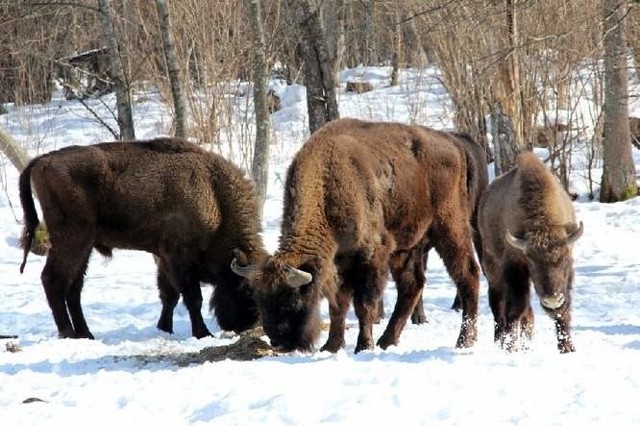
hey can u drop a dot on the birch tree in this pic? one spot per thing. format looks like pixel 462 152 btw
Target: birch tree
pixel 618 175
pixel 121 85
pixel 173 70
pixel 260 163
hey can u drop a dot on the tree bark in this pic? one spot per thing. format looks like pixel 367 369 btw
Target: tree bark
pixel 336 44
pixel 173 70
pixel 260 163
pixel 12 149
pixel 505 148
pixel 618 175
pixel 321 95
pixel 121 85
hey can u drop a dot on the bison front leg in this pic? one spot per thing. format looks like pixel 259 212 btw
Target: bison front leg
pixel 517 303
pixel 496 302
pixel 407 270
pixel 183 277
pixel 337 314
pixel 169 297
pixel 563 330
pixel 367 292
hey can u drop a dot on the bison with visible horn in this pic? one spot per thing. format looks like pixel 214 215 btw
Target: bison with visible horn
pixel 189 207
pixel 528 226
pixel 359 196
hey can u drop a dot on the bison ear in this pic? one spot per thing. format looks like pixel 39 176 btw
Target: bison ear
pixel 519 243
pixel 572 238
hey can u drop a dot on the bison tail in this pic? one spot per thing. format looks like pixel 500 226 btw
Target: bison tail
pixel 31 220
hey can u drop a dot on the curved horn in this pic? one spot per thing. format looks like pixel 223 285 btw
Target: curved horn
pixel 576 234
pixel 243 271
pixel 519 243
pixel 297 278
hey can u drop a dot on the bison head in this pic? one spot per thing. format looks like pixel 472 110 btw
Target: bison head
pixel 550 263
pixel 288 301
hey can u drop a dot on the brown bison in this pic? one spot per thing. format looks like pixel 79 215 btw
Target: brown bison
pixel 188 207
pixel 358 197
pixel 477 181
pixel 528 226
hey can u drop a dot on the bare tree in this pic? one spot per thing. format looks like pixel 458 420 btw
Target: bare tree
pixel 618 175
pixel 173 70
pixel 260 163
pixel 321 95
pixel 121 85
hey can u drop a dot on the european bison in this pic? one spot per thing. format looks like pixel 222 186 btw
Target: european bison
pixel 358 197
pixel 188 207
pixel 477 181
pixel 528 226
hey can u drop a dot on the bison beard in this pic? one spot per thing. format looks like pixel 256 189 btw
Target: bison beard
pixel 528 239
pixel 188 207
pixel 361 197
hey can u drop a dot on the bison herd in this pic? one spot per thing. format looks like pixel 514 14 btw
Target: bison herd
pixel 362 200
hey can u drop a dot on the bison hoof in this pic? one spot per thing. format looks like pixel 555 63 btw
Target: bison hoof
pixel 566 347
pixel 165 328
pixel 84 335
pixel 465 341
pixel 199 334
pixel 332 346
pixel 363 346
pixel 419 319
pixel 385 341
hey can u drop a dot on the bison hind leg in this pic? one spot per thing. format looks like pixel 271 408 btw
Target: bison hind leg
pixel 62 285
pixel 73 302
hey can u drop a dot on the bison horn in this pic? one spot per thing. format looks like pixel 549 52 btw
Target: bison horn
pixel 243 271
pixel 576 234
pixel 519 243
pixel 297 278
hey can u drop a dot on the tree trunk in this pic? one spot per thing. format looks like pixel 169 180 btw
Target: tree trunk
pixel 173 70
pixel 121 85
pixel 618 175
pixel 321 95
pixel 12 149
pixel 260 163
pixel 396 57
pixel 336 17
pixel 505 147
pixel 370 54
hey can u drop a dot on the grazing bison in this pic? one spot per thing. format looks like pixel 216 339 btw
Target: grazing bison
pixel 477 181
pixel 528 226
pixel 188 207
pixel 360 196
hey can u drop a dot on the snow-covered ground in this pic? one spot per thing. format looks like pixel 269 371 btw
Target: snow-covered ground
pixel 423 380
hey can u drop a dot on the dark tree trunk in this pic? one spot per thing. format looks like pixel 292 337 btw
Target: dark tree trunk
pixel 260 163
pixel 173 70
pixel 321 95
pixel 618 175
pixel 121 85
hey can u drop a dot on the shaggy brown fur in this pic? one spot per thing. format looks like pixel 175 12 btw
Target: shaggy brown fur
pixel 477 181
pixel 168 197
pixel 530 204
pixel 356 194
